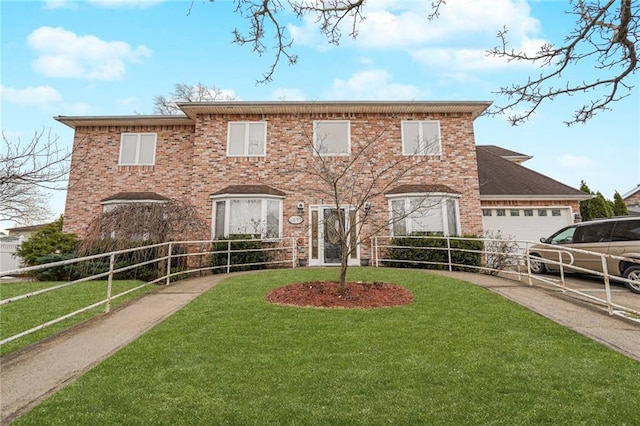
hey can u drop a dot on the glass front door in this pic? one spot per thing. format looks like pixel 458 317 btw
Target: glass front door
pixel 327 224
pixel 334 221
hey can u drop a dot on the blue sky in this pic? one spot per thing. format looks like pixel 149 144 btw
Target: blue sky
pixel 111 57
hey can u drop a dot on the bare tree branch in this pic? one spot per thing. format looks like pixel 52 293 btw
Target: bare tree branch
pixel 188 93
pixel 26 169
pixel 606 36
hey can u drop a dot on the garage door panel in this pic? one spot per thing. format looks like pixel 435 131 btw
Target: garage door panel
pixel 529 228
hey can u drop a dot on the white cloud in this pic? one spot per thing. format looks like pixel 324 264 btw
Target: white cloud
pixel 285 94
pixel 576 162
pixel 128 101
pixel 64 54
pixel 31 95
pixel 458 38
pixel 59 4
pixel 372 84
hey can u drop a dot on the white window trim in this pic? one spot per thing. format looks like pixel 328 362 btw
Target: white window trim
pixel 443 206
pixel 227 198
pixel 422 142
pixel 316 152
pixel 139 136
pixel 246 140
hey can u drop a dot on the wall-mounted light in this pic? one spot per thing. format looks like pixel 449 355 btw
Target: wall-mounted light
pixel 300 207
pixel 367 207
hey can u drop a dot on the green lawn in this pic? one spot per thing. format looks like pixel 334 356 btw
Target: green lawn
pixel 458 355
pixel 24 314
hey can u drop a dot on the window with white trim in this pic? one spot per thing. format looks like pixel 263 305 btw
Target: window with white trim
pixel 247 139
pixel 332 137
pixel 255 216
pixel 421 138
pixel 138 149
pixel 424 214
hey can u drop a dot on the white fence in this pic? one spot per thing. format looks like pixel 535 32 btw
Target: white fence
pixel 168 262
pixel 8 260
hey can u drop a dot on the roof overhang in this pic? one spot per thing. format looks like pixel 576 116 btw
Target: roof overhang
pixel 536 198
pixel 191 109
pixel 125 120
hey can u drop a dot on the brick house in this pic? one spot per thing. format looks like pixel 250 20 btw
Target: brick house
pixel 245 166
pixel 632 200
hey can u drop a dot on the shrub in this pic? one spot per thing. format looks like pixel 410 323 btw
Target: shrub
pixel 428 252
pixel 49 240
pixel 243 252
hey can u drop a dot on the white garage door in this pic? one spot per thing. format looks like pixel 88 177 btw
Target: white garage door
pixel 526 223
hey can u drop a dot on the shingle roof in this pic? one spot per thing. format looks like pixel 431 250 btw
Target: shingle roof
pixel 425 188
pixel 250 189
pixel 506 153
pixel 135 196
pixel 502 178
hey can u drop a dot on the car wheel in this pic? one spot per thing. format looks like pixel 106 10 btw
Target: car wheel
pixel 536 265
pixel 633 273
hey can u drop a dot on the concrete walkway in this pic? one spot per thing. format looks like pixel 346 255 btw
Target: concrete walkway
pixel 31 375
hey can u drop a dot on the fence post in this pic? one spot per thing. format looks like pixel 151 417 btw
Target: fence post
pixel 607 285
pixel 169 264
pixel 449 252
pixel 112 261
pixel 228 256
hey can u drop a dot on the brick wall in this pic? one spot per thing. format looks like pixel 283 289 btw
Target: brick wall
pixel 191 163
pixel 95 173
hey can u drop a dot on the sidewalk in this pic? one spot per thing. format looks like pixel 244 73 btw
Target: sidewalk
pixel 30 376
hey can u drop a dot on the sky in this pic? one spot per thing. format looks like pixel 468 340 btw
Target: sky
pixel 112 57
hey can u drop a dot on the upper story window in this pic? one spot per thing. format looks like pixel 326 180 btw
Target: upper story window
pixel 138 149
pixel 421 138
pixel 247 139
pixel 332 137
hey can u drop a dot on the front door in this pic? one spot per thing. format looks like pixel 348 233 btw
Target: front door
pixel 333 222
pixel 325 247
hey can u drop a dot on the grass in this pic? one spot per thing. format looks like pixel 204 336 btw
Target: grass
pixel 458 355
pixel 24 314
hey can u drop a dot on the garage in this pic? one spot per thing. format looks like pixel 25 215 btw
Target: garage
pixel 526 222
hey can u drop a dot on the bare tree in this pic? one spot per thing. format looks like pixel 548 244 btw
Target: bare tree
pixel 131 224
pixel 26 170
pixel 605 36
pixel 356 179
pixel 188 93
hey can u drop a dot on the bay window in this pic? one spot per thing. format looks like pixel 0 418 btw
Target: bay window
pixel 437 215
pixel 260 217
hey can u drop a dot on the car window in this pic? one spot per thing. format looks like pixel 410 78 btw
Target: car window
pixel 626 230
pixel 595 233
pixel 564 236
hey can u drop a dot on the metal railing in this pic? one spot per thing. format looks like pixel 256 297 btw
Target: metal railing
pixel 517 264
pixel 172 261
pixel 175 260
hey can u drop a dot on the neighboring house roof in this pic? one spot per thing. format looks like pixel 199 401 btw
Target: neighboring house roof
pixel 249 189
pixel 500 178
pixel 507 154
pixel 420 189
pixel 135 196
pixel 192 109
pixel 632 192
pixel 28 228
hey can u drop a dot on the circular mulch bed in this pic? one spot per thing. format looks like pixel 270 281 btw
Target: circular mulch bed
pixel 326 294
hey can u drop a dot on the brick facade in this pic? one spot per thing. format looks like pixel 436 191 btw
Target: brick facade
pixel 191 162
